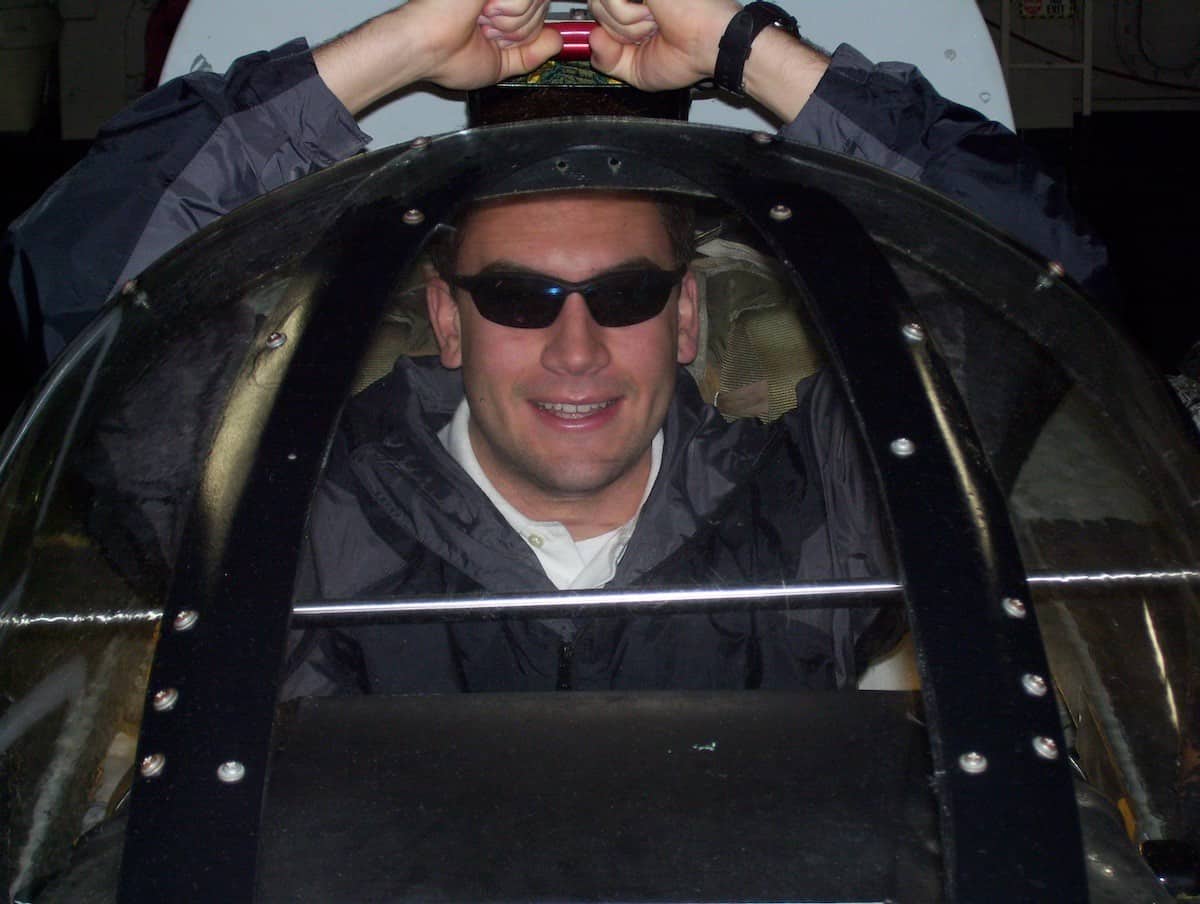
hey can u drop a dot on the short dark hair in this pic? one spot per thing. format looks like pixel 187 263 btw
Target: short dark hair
pixel 678 218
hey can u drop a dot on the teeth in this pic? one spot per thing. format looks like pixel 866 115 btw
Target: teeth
pixel 567 410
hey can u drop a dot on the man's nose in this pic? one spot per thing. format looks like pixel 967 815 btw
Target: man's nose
pixel 575 342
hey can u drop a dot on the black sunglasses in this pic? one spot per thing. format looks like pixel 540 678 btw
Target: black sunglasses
pixel 532 301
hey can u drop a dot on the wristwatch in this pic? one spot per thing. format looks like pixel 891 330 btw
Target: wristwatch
pixel 743 28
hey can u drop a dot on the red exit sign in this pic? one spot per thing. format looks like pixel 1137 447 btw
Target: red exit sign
pixel 1047 9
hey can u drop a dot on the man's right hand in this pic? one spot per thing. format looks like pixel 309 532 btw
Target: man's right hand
pixel 660 44
pixel 457 44
pixel 470 44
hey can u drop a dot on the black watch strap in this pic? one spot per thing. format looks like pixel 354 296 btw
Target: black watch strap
pixel 743 28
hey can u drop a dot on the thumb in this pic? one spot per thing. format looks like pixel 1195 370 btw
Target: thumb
pixel 527 57
pixel 608 54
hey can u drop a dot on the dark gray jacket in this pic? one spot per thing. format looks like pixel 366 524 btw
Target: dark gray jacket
pixel 734 505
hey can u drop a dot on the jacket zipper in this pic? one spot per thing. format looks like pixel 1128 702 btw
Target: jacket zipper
pixel 566 653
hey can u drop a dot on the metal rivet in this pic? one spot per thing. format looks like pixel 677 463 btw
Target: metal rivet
pixel 1046 747
pixel 913 332
pixel 1054 270
pixel 186 619
pixel 419 143
pixel 985 96
pixel 152 765
pixel 781 212
pixel 413 216
pixel 951 55
pixel 903 447
pixel 231 772
pixel 973 763
pixel 164 700
pixel 762 137
pixel 1035 685
pixel 140 298
pixel 291 456
pixel 1014 607
pixel 1107 871
pixel 276 339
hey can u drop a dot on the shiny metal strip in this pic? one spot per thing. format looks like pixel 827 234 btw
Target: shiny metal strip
pixel 1115 578
pixel 88 619
pixel 832 592
pixel 868 592
pixel 813 595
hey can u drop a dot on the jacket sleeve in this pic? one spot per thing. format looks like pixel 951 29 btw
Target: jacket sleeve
pixel 852 542
pixel 890 115
pixel 178 158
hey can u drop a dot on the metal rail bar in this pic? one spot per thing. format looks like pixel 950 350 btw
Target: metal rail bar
pixel 796 596
pixel 803 596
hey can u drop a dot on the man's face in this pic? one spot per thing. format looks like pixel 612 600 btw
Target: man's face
pixel 565 412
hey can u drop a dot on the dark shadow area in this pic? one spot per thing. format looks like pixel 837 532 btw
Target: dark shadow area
pixel 1133 175
pixel 31 164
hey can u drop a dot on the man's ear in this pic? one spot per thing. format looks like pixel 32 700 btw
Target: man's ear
pixel 688 343
pixel 445 320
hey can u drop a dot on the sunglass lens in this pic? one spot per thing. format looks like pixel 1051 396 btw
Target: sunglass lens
pixel 627 298
pixel 525 302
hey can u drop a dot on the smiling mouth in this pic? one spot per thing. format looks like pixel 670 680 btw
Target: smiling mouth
pixel 572 412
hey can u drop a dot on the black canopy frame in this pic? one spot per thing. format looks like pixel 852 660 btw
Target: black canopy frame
pixel 193 837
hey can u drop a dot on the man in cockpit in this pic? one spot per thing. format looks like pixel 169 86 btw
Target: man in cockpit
pixel 554 443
